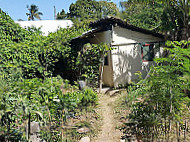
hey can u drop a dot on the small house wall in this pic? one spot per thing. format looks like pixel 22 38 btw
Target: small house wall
pixel 105 37
pixel 126 57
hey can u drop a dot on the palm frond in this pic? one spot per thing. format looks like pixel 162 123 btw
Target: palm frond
pixel 37 16
pixel 33 12
pixel 40 13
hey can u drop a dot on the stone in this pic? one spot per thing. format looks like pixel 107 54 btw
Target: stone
pixel 83 130
pixel 82 84
pixel 34 138
pixel 34 127
pixel 113 92
pixel 34 131
pixel 104 90
pixel 85 139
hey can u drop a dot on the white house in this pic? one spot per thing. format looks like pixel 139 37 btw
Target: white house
pixel 134 50
pixel 46 26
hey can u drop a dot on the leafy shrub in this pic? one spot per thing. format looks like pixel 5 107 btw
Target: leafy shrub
pixel 165 104
pixel 29 90
pixel 88 97
pixel 76 99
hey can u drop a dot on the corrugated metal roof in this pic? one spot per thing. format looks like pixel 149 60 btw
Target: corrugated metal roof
pixel 102 23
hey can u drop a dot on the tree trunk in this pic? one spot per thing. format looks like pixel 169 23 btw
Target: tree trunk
pixel 101 73
pixel 62 126
pixel 29 115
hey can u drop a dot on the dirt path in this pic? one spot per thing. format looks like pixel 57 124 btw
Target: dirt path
pixel 108 132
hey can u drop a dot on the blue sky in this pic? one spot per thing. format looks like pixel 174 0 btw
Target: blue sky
pixel 17 8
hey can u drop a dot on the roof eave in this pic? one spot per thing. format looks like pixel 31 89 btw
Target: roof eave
pixel 116 21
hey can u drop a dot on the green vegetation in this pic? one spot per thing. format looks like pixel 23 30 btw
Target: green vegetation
pixel 160 104
pixel 88 10
pixel 169 16
pixel 35 72
pixel 31 86
pixel 9 31
pixel 33 12
pixel 145 16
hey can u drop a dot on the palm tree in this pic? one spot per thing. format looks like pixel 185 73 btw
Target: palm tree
pixel 33 12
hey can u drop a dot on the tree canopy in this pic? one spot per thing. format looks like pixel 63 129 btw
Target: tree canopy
pixel 61 15
pixel 175 19
pixel 144 16
pixel 89 9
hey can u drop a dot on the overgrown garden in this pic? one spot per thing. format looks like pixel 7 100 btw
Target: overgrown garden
pixel 35 71
pixel 159 105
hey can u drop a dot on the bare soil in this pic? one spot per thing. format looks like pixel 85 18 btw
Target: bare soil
pixel 108 132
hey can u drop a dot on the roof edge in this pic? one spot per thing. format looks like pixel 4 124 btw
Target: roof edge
pixel 117 21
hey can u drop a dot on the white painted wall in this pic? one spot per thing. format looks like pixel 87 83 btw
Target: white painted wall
pixel 126 59
pixel 46 26
pixel 123 35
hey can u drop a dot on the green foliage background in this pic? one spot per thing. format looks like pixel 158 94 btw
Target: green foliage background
pixel 89 10
pixel 170 17
pixel 31 66
pixel 31 86
pixel 145 16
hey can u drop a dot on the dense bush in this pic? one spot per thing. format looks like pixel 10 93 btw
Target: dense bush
pixel 10 31
pixel 38 100
pixel 30 88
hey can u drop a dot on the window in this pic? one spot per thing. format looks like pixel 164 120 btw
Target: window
pixel 147 52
